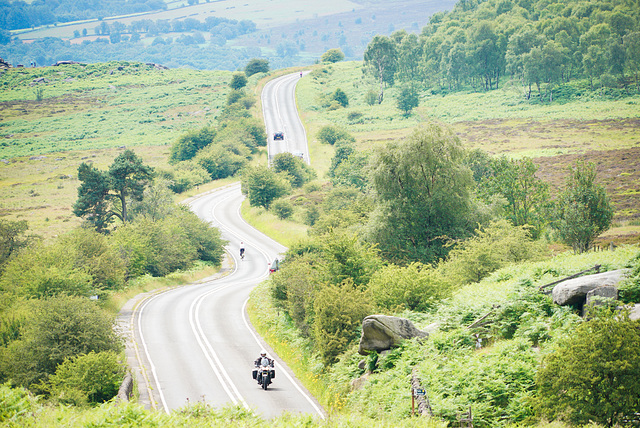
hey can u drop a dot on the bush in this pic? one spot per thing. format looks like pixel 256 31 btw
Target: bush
pixel 56 329
pixel 593 374
pixel 416 287
pixel 332 56
pixel 331 134
pixel 87 378
pixel 493 246
pixel 339 311
pixel 282 209
pixel 256 65
pixel 190 143
pixel 341 97
pixel 238 81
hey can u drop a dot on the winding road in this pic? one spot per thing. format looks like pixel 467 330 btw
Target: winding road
pixel 194 343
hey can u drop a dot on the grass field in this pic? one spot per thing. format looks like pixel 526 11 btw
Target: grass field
pixel 90 113
pixel 600 129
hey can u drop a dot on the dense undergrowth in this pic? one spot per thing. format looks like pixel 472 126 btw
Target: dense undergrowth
pixel 496 380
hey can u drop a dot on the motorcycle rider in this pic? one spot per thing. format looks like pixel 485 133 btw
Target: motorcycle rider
pixel 263 354
pixel 242 250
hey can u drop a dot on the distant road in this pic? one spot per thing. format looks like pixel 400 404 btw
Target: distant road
pixel 281 114
pixel 194 343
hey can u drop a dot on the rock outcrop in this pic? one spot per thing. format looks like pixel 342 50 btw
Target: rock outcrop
pixel 382 332
pixel 574 291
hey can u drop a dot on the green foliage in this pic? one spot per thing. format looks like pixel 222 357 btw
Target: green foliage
pixel 491 248
pixel 12 238
pixel 407 100
pixel 15 404
pixel 87 378
pixel 185 175
pixel 263 185
pixel 56 329
pixel 332 55
pixel 238 81
pixel 583 209
pixel 339 311
pixel 282 208
pixel 332 134
pixel 527 196
pixel 44 271
pixel 630 286
pixel 340 97
pixel 220 162
pixel 190 143
pixel 348 258
pixel 102 195
pixel 423 195
pixel 380 58
pixel 416 287
pixel 256 65
pixel 297 170
pixel 592 374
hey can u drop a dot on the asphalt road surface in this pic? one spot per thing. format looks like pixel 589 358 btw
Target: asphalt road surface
pixel 281 114
pixel 194 343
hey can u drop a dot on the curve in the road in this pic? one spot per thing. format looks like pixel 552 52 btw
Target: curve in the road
pixel 195 339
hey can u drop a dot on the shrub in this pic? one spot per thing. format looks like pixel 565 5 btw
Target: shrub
pixel 238 81
pixel 593 374
pixel 190 143
pixel 256 65
pixel 341 97
pixel 88 378
pixel 339 311
pixel 282 209
pixel 56 329
pixel 331 134
pixel 416 287
pixel 371 97
pixel 332 55
pixel 493 246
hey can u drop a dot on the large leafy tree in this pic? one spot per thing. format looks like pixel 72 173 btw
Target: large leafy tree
pixel 593 375
pixel 381 59
pixel 263 185
pixel 423 195
pixel 12 239
pixel 527 196
pixel 103 195
pixel 583 209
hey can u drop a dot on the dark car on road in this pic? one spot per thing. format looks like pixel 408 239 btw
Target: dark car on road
pixel 278 136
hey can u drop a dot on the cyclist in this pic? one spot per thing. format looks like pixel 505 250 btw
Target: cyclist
pixel 242 250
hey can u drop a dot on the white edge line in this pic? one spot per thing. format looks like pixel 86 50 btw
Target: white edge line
pixel 304 394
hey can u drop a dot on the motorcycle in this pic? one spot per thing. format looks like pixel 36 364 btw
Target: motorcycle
pixel 264 373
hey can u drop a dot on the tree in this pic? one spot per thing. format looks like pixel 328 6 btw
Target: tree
pixel 340 97
pixel 593 374
pixel 238 81
pixel 190 143
pixel 331 134
pixel 12 239
pixel 527 195
pixel 380 57
pixel 332 55
pixel 298 171
pixel 423 195
pixel 407 100
pixel 58 328
pixel 87 378
pixel 263 185
pixel 102 196
pixel 339 311
pixel 583 208
pixel 256 65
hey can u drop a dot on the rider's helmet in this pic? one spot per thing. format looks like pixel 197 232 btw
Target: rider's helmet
pixel 263 353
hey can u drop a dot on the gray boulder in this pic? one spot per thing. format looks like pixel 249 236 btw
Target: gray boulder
pixel 574 291
pixel 382 332
pixel 599 296
pixel 634 313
